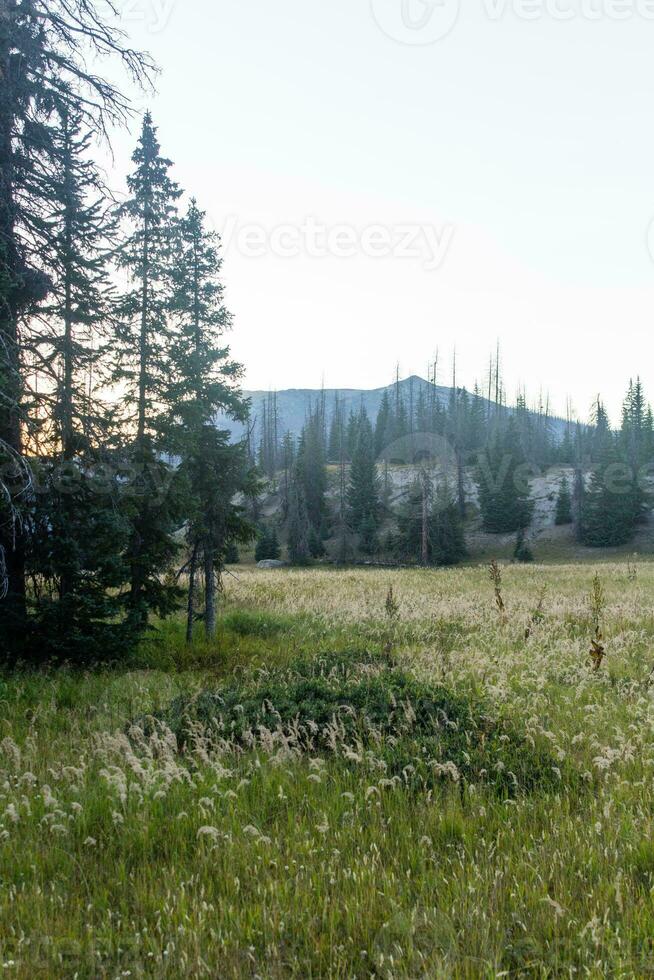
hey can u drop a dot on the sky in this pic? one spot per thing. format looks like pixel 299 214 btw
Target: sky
pixel 393 178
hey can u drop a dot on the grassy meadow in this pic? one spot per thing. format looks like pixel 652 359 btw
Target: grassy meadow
pixel 136 840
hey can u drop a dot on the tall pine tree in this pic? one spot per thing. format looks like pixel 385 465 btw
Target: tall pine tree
pixel 363 487
pixel 203 382
pixel 145 337
pixel 77 531
pixel 46 48
pixel 502 479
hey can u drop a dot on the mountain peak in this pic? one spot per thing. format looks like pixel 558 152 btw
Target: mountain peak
pixel 295 404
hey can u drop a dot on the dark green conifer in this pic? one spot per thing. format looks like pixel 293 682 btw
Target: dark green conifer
pixel 268 548
pixel 298 525
pixel 564 504
pixel 143 370
pixel 363 487
pixel 311 471
pixel 430 529
pixel 503 482
pixel 203 384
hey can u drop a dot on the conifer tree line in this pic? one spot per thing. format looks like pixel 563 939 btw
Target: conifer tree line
pixel 114 478
pixel 335 486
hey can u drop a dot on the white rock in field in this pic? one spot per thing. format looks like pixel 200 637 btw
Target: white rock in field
pixel 270 563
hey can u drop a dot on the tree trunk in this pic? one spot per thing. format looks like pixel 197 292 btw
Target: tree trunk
pixel 578 498
pixel 143 340
pixel 137 578
pixel 425 523
pixel 68 353
pixel 190 606
pixel 12 478
pixel 460 486
pixel 209 591
pixel 66 584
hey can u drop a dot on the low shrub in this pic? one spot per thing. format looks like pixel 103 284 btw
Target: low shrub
pixel 359 709
pixel 262 624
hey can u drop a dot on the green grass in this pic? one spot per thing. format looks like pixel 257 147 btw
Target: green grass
pixel 120 856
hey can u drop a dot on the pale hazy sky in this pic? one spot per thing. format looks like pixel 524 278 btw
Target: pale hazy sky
pixel 507 146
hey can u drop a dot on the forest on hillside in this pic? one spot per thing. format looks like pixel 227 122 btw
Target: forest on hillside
pixel 605 493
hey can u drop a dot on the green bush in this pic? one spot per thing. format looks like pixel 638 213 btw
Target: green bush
pixel 417 731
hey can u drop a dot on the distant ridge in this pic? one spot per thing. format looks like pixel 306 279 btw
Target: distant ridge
pixel 295 404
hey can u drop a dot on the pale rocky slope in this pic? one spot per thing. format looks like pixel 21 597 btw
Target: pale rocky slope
pixel 546 539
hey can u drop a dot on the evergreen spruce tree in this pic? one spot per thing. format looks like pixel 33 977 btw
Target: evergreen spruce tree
pixel 633 435
pixel 316 546
pixel 275 548
pixel 635 443
pixel 649 435
pixel 203 383
pixel 287 462
pixel 268 548
pixel 76 544
pixel 447 535
pixel 312 473
pixel 609 511
pixel 477 422
pixel 504 491
pixel 564 504
pixel 269 445
pixel 144 363
pixel 232 554
pixel 430 530
pixel 298 525
pixel 77 532
pixel 216 471
pixel 413 528
pixel 601 437
pixel 456 430
pixel 44 60
pixel 78 316
pixel 382 425
pixel 422 419
pixel 614 501
pixel 352 434
pixel 565 452
pixel 363 487
pixel 336 432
